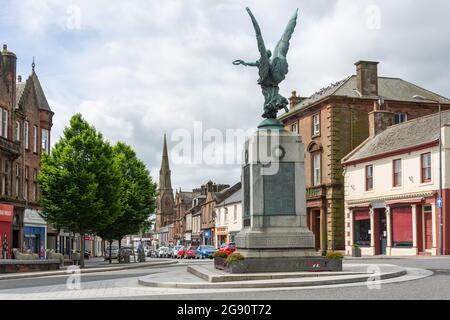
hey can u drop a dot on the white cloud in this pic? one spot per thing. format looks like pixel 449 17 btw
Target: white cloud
pixel 137 69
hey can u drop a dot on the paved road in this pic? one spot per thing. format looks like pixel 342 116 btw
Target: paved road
pixel 123 285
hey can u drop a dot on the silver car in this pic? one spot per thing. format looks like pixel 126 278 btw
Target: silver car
pixel 175 251
pixel 114 252
pixel 164 252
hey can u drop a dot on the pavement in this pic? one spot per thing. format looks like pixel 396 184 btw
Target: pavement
pixel 93 265
pixel 418 283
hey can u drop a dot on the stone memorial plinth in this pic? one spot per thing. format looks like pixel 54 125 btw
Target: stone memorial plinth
pixel 274 200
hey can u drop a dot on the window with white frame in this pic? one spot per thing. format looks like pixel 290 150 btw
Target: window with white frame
pixel 317 179
pixel 294 127
pixel 235 212
pixel 17 184
pixel 35 139
pixel 17 137
pixel 316 124
pixel 45 141
pixel 5 124
pixel 26 134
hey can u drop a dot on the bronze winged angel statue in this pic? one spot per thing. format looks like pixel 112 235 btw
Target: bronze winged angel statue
pixel 273 68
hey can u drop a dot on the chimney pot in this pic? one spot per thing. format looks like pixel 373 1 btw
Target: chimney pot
pixel 5 47
pixel 19 78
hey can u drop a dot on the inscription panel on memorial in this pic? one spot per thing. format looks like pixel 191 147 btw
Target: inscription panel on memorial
pixel 279 191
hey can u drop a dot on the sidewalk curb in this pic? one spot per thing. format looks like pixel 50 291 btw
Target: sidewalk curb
pixel 15 276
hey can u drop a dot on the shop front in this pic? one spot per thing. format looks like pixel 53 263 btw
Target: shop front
pixel 207 236
pixel 187 238
pixel 222 235
pixel 405 227
pixel 6 217
pixel 35 233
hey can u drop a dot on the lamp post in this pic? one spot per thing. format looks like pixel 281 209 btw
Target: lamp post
pixel 441 219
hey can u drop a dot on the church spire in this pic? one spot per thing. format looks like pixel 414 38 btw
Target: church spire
pixel 164 172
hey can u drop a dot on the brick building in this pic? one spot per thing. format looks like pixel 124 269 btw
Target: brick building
pixel 25 126
pixel 334 121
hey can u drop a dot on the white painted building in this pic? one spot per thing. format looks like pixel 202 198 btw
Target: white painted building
pixel 391 188
pixel 228 220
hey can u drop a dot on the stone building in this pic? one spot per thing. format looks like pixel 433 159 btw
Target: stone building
pixel 183 202
pixel 25 126
pixel 392 187
pixel 334 121
pixel 229 217
pixel 214 193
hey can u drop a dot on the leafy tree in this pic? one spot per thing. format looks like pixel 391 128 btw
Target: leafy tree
pixel 79 181
pixel 137 196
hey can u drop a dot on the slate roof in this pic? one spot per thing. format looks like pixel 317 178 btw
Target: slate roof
pixel 187 197
pixel 392 89
pixel 233 198
pixel 23 87
pixel 221 196
pixel 401 136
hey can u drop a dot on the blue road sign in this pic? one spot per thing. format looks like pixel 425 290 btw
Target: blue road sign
pixel 439 203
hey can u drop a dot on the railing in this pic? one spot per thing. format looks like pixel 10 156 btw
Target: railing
pixel 315 192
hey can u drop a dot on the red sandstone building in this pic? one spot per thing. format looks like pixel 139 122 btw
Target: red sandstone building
pixel 334 121
pixel 25 124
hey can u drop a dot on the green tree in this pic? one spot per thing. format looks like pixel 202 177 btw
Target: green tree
pixel 79 181
pixel 137 196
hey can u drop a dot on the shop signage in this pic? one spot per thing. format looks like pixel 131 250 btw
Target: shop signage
pixel 6 213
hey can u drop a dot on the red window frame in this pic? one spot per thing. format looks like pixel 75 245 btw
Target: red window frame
pixel 397 175
pixel 369 187
pixel 423 168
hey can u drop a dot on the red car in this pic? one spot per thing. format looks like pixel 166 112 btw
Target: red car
pixel 181 252
pixel 191 252
pixel 228 248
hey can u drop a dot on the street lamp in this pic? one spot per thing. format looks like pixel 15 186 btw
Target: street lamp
pixel 441 223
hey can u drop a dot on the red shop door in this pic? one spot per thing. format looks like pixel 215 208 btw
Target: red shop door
pixel 428 230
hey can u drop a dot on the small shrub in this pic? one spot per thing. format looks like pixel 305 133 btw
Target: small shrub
pixel 235 257
pixel 335 255
pixel 220 254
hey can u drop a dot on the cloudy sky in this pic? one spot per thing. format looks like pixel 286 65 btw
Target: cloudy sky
pixel 139 68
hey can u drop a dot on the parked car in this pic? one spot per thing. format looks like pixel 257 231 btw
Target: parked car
pixel 126 251
pixel 181 252
pixel 228 248
pixel 205 251
pixel 87 254
pixel 114 252
pixel 175 251
pixel 191 252
pixel 152 253
pixel 164 252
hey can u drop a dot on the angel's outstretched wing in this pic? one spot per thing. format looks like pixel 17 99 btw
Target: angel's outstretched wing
pixel 264 62
pixel 283 45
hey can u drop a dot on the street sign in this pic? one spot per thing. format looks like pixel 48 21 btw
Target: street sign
pixel 439 203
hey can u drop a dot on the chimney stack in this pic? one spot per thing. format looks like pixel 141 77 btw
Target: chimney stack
pixel 19 78
pixel 367 77
pixel 379 120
